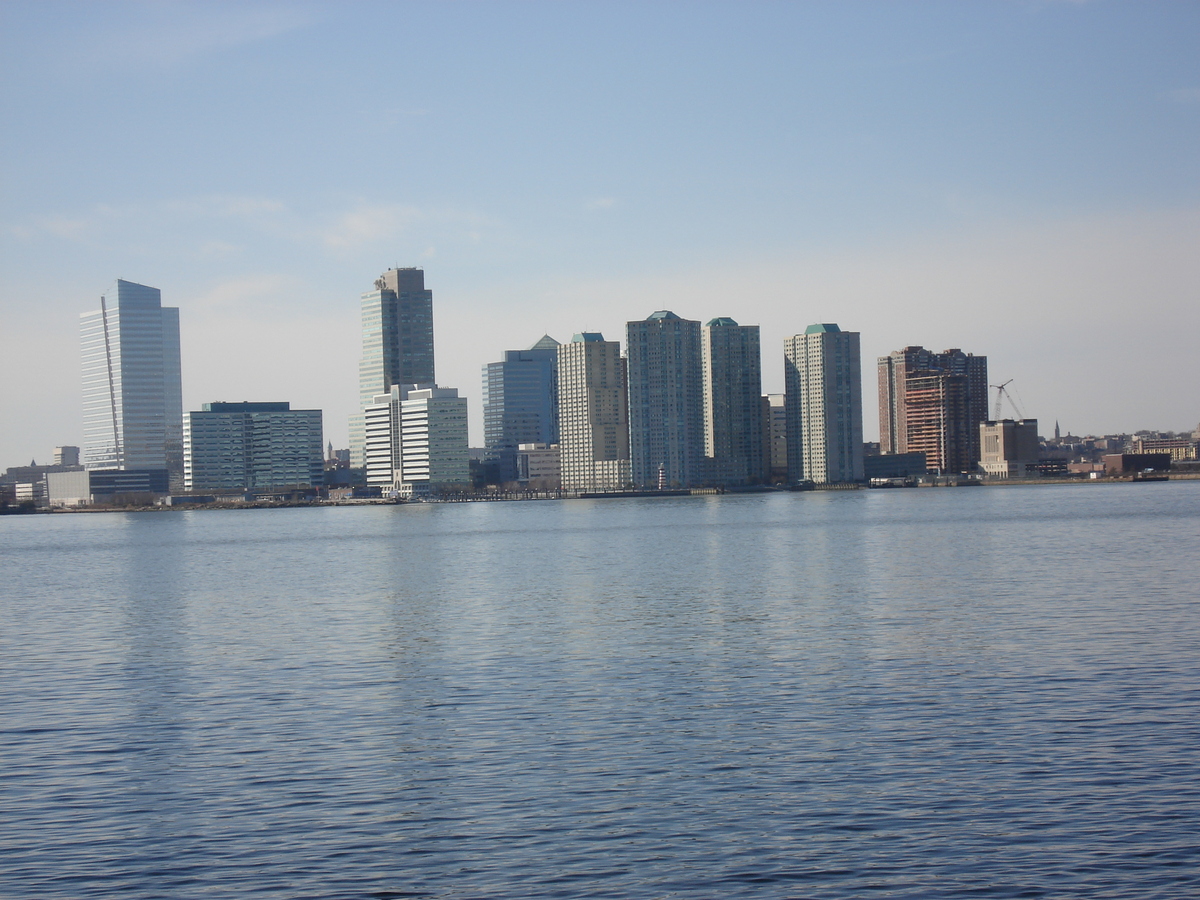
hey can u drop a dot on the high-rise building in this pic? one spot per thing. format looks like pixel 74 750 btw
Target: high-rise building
pixel 132 390
pixel 823 378
pixel 397 342
pixel 933 403
pixel 593 415
pixel 416 440
pixel 520 402
pixel 252 446
pixel 733 403
pixel 666 401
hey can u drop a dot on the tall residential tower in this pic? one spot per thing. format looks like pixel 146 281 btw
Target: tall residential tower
pixel 733 407
pixel 933 403
pixel 132 390
pixel 593 415
pixel 823 377
pixel 666 401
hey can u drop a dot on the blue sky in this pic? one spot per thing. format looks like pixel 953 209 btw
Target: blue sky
pixel 1018 179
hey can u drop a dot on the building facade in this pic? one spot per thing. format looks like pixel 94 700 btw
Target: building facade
pixel 397 342
pixel 731 362
pixel 1009 448
pixel 520 402
pixel 593 423
pixel 933 403
pixel 416 440
pixel 823 377
pixel 666 401
pixel 775 458
pixel 252 446
pixel 132 389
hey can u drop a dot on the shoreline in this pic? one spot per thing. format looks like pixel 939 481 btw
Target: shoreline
pixel 587 495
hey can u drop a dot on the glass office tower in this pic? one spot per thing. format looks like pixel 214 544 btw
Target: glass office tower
pixel 132 390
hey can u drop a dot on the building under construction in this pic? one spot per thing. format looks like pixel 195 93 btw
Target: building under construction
pixel 933 403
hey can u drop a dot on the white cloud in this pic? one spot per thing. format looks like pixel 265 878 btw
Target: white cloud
pixel 369 223
pixel 169 34
pixel 600 203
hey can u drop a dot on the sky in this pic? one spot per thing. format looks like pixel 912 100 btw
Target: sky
pixel 1017 179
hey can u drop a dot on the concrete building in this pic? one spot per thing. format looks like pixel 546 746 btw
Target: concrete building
pixel 66 456
pixel 1179 449
pixel 232 447
pixel 1009 448
pixel 933 403
pixel 666 401
pixel 98 487
pixel 397 342
pixel 539 466
pixel 1130 463
pixel 774 408
pixel 416 441
pixel 823 379
pixel 520 403
pixel 732 402
pixel 132 390
pixel 593 415
pixel 894 465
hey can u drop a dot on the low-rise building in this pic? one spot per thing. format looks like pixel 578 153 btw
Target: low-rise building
pixel 539 466
pixel 1179 449
pixel 1127 463
pixel 231 447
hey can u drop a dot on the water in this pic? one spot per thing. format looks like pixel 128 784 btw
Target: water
pixel 931 693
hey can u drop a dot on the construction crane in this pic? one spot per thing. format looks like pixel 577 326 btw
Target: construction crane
pixel 1001 393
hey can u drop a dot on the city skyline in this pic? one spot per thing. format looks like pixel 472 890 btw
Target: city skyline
pixel 1017 179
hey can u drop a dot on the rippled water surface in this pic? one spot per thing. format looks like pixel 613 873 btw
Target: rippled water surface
pixel 910 693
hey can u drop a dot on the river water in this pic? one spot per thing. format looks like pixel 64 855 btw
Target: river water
pixel 985 692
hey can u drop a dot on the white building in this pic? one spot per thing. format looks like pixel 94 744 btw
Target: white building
pixel 593 415
pixel 823 377
pixel 416 440
pixel 132 392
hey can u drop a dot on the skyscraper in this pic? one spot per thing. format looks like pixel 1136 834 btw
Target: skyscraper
pixel 732 390
pixel 132 390
pixel 593 430
pixel 520 402
pixel 823 377
pixel 666 402
pixel 933 403
pixel 397 342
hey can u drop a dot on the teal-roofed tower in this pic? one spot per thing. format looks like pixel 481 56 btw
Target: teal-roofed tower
pixel 733 409
pixel 823 376
pixel 666 402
